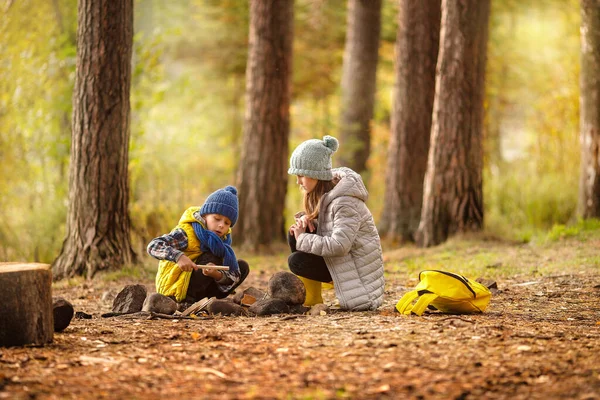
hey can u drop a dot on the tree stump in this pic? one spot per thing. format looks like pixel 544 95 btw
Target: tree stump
pixel 25 304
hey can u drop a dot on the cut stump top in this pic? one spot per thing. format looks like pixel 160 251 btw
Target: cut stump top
pixel 18 266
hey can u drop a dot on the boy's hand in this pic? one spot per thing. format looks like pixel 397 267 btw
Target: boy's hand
pixel 213 273
pixel 185 264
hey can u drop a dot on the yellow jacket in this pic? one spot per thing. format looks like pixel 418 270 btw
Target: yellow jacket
pixel 170 279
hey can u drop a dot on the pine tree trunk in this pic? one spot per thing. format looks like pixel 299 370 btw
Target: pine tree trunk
pixel 453 192
pixel 262 173
pixel 589 183
pixel 98 221
pixel 359 82
pixel 416 55
pixel 26 315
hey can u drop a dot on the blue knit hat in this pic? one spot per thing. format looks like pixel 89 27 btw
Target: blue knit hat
pixel 313 158
pixel 223 201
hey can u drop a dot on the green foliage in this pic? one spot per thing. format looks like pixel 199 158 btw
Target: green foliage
pixel 136 273
pixel 37 62
pixel 582 230
pixel 532 147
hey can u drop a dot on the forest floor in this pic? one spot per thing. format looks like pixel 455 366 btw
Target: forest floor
pixel 539 338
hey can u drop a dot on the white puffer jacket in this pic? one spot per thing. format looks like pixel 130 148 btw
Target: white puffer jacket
pixel 349 242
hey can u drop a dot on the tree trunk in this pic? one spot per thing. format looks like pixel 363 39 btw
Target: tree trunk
pixel 417 47
pixel 453 192
pixel 589 182
pixel 98 221
pixel 359 82
pixel 262 172
pixel 25 304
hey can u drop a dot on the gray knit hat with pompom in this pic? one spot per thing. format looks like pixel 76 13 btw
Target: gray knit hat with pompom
pixel 313 158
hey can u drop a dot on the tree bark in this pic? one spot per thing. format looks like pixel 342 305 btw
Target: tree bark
pixel 417 47
pixel 589 181
pixel 359 74
pixel 262 172
pixel 25 304
pixel 98 222
pixel 453 192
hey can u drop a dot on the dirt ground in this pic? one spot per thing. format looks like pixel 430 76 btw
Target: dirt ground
pixel 539 339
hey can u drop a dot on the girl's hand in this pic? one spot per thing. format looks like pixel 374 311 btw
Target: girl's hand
pixel 304 222
pixel 297 230
pixel 185 264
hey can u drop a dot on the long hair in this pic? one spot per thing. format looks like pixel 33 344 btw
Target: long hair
pixel 312 200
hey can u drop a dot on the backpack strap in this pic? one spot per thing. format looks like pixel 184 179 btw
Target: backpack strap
pixel 423 302
pixel 406 307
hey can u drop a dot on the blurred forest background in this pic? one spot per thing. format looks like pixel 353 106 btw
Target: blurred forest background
pixel 187 98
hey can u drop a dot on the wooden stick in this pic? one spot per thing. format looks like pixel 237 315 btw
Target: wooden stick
pixel 217 267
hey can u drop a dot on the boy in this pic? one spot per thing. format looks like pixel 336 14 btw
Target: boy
pixel 203 236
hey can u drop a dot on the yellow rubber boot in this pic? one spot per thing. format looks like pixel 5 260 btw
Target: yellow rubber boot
pixel 313 292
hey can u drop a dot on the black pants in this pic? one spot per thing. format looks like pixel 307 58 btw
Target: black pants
pixel 307 265
pixel 204 286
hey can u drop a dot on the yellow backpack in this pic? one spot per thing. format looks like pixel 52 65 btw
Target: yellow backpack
pixel 447 292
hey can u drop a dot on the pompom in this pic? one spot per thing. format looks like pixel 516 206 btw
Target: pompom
pixel 231 189
pixel 331 143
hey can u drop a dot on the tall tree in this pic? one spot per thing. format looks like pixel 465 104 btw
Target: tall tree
pixel 98 220
pixel 589 183
pixel 262 177
pixel 359 75
pixel 453 192
pixel 414 90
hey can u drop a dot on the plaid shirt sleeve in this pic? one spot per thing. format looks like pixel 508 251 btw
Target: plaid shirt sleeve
pixel 169 246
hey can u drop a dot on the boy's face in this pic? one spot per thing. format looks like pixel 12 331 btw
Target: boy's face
pixel 217 223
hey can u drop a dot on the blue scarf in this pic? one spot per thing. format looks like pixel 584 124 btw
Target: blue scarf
pixel 209 241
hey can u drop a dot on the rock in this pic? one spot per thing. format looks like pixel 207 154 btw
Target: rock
pixel 63 313
pixel 225 307
pixel 159 303
pixel 269 307
pixel 130 299
pixel 319 309
pixel 489 283
pixel 287 287
pixel 298 309
pixel 249 296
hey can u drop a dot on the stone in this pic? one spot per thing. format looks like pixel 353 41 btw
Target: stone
pixel 249 296
pixel 287 287
pixel 130 299
pixel 298 309
pixel 489 283
pixel 158 303
pixel 63 313
pixel 269 307
pixel 225 307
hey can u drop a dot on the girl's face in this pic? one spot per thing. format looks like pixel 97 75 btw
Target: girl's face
pixel 307 184
pixel 217 223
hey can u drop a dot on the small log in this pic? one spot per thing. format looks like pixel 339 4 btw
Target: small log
pixel 216 267
pixel 26 315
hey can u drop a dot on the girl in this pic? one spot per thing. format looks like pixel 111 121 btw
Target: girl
pixel 334 238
